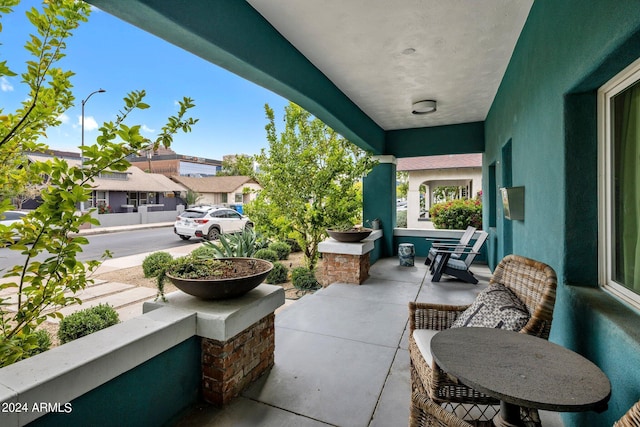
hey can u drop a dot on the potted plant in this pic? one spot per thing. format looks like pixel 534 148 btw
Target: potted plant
pixel 214 278
pixel 349 233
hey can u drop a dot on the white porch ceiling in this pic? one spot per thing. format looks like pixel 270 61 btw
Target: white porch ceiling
pixel 385 55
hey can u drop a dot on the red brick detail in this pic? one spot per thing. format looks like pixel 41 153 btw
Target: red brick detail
pixel 229 367
pixel 343 268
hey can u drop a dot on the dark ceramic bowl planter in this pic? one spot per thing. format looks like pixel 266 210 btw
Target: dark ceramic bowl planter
pixel 239 277
pixel 352 235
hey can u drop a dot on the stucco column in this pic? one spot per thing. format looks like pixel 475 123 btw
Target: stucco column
pixel 379 199
pixel 413 204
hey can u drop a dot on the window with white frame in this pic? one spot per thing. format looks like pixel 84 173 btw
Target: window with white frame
pixel 100 198
pixel 619 188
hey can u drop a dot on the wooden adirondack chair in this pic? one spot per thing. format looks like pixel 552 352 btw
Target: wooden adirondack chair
pixel 459 245
pixel 446 263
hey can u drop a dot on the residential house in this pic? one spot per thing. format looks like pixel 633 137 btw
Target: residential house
pixel 117 192
pixel 450 170
pixel 221 190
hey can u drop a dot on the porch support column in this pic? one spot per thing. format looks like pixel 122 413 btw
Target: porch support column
pixel 379 199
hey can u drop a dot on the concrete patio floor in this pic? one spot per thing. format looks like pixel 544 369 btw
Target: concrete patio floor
pixel 341 355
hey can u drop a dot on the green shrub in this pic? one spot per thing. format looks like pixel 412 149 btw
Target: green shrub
pixel 401 219
pixel 154 263
pixel 294 245
pixel 282 249
pixel 43 339
pixel 457 214
pixel 278 275
pixel 203 252
pixel 266 254
pixel 304 279
pixel 87 321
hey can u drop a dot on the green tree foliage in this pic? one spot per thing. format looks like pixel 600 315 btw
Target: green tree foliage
pixel 192 197
pixel 47 238
pixel 447 193
pixel 308 176
pixel 402 188
pixel 238 165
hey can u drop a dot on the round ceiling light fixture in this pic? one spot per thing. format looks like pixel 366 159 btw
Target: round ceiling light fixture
pixel 424 107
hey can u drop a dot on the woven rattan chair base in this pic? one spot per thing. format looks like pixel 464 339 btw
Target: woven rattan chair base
pixel 630 419
pixel 534 283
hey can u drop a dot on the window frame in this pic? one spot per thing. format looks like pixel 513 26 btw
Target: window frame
pixel 619 83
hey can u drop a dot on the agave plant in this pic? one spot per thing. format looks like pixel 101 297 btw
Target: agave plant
pixel 234 245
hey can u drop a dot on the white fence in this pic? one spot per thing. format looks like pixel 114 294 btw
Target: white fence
pixel 143 216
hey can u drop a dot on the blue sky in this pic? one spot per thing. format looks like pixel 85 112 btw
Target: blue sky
pixel 118 57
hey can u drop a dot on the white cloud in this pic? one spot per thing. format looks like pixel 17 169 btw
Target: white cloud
pixel 89 123
pixel 64 119
pixel 5 85
pixel 147 129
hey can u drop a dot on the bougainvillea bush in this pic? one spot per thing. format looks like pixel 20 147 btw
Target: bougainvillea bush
pixel 457 214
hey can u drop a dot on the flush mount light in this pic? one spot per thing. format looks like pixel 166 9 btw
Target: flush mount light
pixel 424 107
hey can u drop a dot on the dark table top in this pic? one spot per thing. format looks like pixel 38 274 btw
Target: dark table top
pixel 521 369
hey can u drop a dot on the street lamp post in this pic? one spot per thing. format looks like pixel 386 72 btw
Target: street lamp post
pixel 84 101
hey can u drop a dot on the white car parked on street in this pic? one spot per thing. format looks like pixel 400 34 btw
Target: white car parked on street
pixel 208 222
pixel 9 217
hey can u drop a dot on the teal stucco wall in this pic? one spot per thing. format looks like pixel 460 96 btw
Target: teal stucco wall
pixel 546 110
pixel 379 201
pixel 151 394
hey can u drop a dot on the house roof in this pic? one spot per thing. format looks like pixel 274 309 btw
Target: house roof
pixel 137 180
pixel 214 184
pixel 447 161
pixel 71 158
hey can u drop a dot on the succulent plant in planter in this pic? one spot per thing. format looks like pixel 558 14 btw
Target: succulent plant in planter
pixel 214 278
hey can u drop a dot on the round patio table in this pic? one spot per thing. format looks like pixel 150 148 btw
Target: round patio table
pixel 521 370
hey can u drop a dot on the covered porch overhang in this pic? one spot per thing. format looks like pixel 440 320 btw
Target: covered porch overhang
pixel 359 66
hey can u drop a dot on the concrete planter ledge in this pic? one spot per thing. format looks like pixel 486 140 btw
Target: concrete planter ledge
pixel 223 319
pixel 73 369
pixel 65 373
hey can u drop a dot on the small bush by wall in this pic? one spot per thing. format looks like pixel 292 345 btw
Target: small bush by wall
pixel 304 279
pixel 278 275
pixel 457 214
pixel 153 264
pixel 267 255
pixel 87 321
pixel 282 249
pixel 401 219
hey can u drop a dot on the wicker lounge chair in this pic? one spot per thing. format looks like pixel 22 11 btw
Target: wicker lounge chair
pixel 446 263
pixel 459 245
pixel 534 283
pixel 631 418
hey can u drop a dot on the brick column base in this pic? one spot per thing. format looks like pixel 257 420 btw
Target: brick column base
pixel 229 367
pixel 343 268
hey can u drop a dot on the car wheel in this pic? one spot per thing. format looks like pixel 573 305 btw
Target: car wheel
pixel 248 226
pixel 213 234
pixel 183 237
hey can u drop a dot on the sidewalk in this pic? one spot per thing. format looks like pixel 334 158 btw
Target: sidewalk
pixel 104 230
